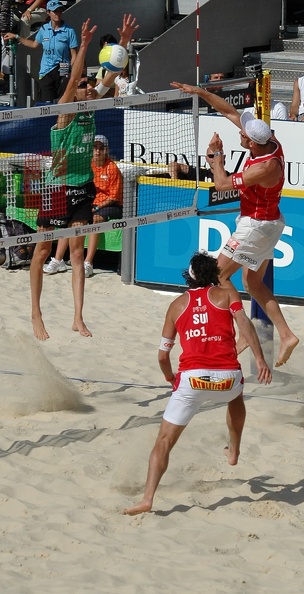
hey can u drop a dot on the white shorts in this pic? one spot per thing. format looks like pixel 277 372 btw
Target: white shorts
pixel 253 241
pixel 198 386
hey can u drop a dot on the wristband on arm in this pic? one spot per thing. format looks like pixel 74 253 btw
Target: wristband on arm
pixel 101 89
pixel 166 344
pixel 236 306
pixel 237 181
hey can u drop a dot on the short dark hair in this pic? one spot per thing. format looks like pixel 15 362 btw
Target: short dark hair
pixel 108 38
pixel 205 270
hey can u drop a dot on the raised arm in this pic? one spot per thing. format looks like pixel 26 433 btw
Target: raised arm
pixel 78 66
pixel 218 103
pixel 126 33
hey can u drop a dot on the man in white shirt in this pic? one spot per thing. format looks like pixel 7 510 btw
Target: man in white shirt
pixel 278 111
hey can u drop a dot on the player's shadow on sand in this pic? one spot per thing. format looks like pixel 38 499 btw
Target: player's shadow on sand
pixel 293 494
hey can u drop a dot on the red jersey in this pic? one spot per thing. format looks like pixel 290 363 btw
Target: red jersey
pixel 207 334
pixel 263 203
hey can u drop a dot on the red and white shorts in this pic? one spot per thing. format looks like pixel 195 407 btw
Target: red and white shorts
pixel 196 387
pixel 253 241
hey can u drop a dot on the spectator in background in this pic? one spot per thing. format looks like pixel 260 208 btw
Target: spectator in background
pixel 217 76
pixel 6 25
pixel 184 171
pixel 59 45
pixel 278 111
pixel 104 40
pixel 108 200
pixel 29 13
pixel 297 104
pixel 123 86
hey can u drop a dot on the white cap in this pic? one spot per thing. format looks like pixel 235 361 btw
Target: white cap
pixel 101 138
pixel 256 130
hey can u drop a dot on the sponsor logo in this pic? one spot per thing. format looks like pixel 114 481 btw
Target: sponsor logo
pixel 92 229
pixel 57 222
pixel 178 214
pixel 231 245
pixel 75 192
pixel 45 110
pixel 48 236
pixel 152 97
pixel 24 239
pixel 217 197
pixel 208 383
pixel 7 115
pixel 238 98
pixel 119 225
pixel 142 221
pixel 82 106
pixel 245 258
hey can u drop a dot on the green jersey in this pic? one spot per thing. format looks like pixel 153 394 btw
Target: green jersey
pixel 72 151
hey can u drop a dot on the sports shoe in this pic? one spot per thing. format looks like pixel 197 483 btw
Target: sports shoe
pixel 88 269
pixel 55 266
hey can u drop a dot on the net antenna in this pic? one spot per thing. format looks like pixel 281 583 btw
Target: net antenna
pixel 196 100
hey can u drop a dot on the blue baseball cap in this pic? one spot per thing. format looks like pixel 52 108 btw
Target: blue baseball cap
pixel 53 5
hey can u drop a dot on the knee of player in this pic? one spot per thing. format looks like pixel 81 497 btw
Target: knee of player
pixel 42 251
pixel 76 253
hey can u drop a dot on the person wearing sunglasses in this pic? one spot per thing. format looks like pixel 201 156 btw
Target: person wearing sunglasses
pixel 188 172
pixel 260 223
pixel 69 184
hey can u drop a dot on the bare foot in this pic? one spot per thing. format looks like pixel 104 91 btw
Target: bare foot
pixel 231 457
pixel 286 349
pixel 81 328
pixel 241 345
pixel 142 507
pixel 39 329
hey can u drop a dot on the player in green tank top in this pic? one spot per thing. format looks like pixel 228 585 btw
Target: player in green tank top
pixel 75 145
pixel 70 181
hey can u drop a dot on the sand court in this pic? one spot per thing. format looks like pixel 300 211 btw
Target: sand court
pixel 74 454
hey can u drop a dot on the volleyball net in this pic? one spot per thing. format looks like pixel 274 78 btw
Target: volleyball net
pixel 145 133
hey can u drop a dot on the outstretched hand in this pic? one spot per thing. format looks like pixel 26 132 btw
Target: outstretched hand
pixel 190 89
pixel 128 28
pixel 86 33
pixel 216 144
